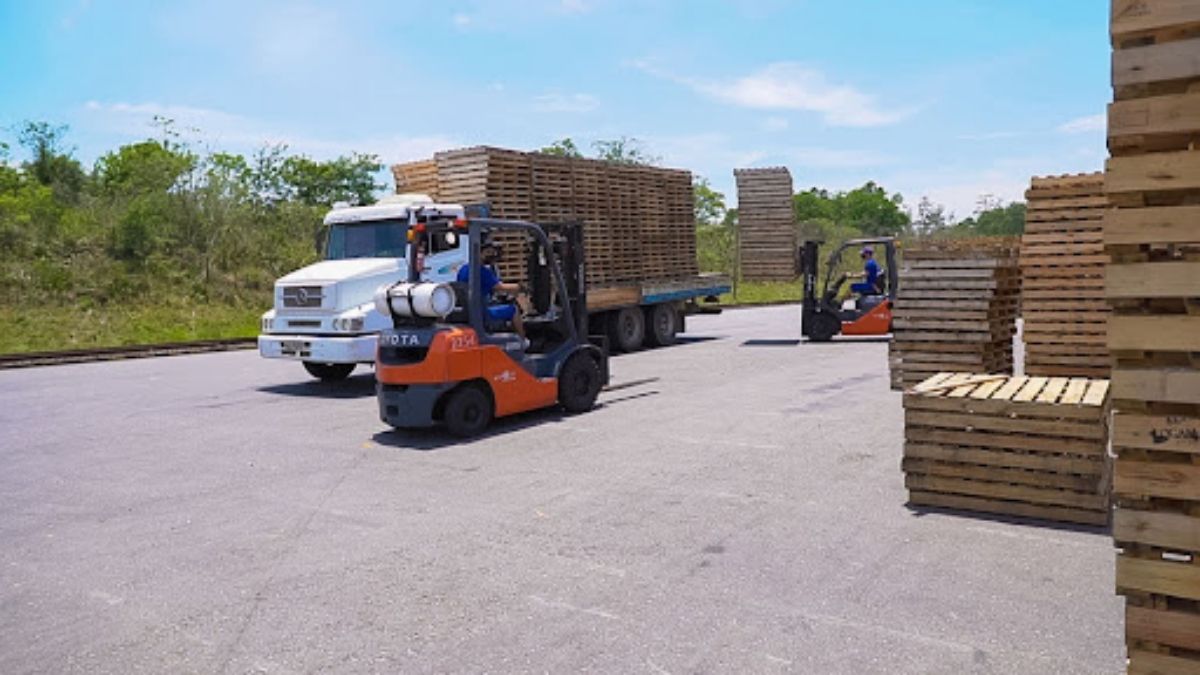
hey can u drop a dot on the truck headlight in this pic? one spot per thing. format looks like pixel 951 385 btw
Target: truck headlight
pixel 348 323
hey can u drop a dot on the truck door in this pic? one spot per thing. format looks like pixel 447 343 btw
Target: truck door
pixel 446 252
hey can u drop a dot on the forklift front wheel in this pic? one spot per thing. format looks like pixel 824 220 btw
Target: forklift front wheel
pixel 468 411
pixel 824 327
pixel 579 383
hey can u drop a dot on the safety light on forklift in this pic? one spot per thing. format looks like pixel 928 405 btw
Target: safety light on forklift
pixel 460 223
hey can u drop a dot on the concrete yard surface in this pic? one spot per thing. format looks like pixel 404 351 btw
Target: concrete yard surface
pixel 735 504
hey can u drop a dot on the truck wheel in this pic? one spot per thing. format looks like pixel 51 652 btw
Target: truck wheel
pixel 579 383
pixel 329 372
pixel 627 329
pixel 468 411
pixel 824 327
pixel 662 320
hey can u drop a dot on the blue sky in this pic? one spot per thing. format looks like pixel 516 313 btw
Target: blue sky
pixel 951 99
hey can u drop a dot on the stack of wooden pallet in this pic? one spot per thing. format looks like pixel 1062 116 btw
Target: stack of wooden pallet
pixel 766 224
pixel 1153 284
pixel 638 221
pixel 1021 446
pixel 955 308
pixel 1062 277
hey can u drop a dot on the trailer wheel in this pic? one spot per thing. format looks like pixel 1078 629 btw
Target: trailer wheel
pixel 579 383
pixel 467 412
pixel 627 329
pixel 329 372
pixel 662 321
pixel 824 327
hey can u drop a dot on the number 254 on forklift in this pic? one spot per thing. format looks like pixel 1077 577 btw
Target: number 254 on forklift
pixel 451 358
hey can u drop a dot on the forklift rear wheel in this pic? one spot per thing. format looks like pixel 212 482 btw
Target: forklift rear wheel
pixel 329 372
pixel 824 327
pixel 579 383
pixel 468 411
pixel 662 319
pixel 627 329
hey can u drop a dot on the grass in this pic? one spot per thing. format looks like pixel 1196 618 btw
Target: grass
pixel 38 329
pixel 764 293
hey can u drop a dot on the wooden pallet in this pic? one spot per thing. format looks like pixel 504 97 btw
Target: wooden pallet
pixel 1062 270
pixel 638 221
pixel 1152 178
pixel 1021 446
pixel 766 224
pixel 955 309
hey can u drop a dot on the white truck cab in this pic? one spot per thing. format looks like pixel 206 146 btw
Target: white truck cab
pixel 324 314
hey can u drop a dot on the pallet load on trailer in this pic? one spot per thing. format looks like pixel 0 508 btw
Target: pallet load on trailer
pixel 638 223
pixel 1152 233
pixel 955 310
pixel 1018 446
pixel 766 232
pixel 1062 277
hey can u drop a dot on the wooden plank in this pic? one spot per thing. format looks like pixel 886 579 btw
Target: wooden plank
pixel 1178 579
pixel 1023 493
pixel 1164 529
pixel 1156 171
pixel 1173 114
pixel 1176 629
pixel 1167 333
pixel 1010 388
pixel 1156 63
pixel 986 389
pixel 1023 509
pixel 996 474
pixel 1173 433
pixel 1075 390
pixel 1054 388
pixel 966 420
pixel 1142 662
pixel 1096 393
pixel 1000 457
pixel 1090 413
pixel 1153 280
pixel 1152 225
pixel 1157 479
pixel 1005 441
pixel 1169 385
pixel 1031 389
pixel 1139 16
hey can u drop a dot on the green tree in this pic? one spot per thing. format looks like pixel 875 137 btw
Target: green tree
pixel 349 179
pixel 50 163
pixel 624 150
pixel 709 204
pixel 994 218
pixel 869 209
pixel 931 218
pixel 564 147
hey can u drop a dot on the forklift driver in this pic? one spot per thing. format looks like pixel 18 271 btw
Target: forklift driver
pixel 870 274
pixel 491 252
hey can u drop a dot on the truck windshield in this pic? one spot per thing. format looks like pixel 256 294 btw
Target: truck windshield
pixel 373 239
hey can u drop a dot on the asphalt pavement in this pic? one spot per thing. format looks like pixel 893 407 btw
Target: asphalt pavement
pixel 735 504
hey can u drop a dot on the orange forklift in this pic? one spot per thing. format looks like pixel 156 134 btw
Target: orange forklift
pixel 870 313
pixel 447 361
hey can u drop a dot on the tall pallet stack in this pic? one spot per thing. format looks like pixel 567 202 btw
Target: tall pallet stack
pixel 1062 277
pixel 955 309
pixel 1021 446
pixel 1153 284
pixel 766 224
pixel 639 223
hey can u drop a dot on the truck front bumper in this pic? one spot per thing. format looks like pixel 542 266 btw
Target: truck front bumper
pixel 409 406
pixel 319 348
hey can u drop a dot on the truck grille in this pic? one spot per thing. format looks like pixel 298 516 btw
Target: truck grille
pixel 303 297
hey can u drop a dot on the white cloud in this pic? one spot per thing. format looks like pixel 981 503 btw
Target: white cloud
pixel 571 103
pixel 230 131
pixel 461 19
pixel 788 85
pixel 1083 125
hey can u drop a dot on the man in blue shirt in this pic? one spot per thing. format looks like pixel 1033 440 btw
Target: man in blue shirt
pixel 870 274
pixel 490 283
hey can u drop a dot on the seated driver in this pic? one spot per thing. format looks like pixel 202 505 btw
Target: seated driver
pixel 490 283
pixel 870 274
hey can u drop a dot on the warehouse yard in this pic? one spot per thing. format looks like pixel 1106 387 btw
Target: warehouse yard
pixel 735 504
